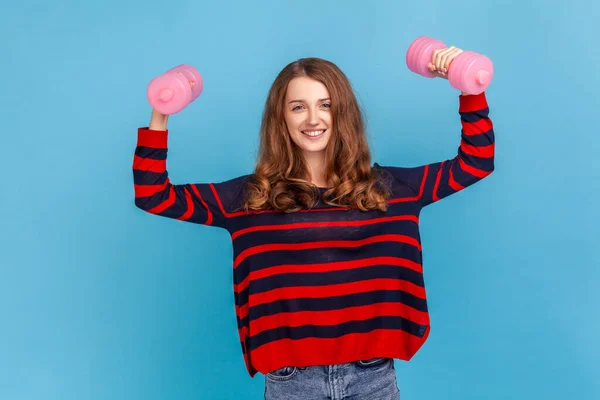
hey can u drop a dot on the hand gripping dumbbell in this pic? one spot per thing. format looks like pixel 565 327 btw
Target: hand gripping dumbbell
pixel 469 72
pixel 172 91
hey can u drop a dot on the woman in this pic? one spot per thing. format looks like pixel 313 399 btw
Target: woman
pixel 327 265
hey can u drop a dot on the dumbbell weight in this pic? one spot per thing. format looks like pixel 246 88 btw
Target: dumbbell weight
pixel 172 91
pixel 469 72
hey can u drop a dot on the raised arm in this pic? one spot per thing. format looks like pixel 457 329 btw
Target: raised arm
pixel 474 161
pixel 201 203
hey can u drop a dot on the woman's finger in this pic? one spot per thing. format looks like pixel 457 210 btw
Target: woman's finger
pixel 434 58
pixel 439 64
pixel 450 58
pixel 447 58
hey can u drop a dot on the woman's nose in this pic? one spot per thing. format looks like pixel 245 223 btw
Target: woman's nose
pixel 313 117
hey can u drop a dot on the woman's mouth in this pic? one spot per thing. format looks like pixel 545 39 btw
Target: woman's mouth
pixel 314 134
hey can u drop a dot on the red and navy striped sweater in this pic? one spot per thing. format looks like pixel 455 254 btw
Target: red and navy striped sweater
pixel 327 285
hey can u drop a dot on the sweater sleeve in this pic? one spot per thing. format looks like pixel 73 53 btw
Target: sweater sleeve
pixel 200 203
pixel 474 161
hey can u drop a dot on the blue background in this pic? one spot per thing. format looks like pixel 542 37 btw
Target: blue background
pixel 99 300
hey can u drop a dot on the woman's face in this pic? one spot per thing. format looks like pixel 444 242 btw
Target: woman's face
pixel 308 115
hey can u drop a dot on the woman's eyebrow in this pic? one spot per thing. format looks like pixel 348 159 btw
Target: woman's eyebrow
pixel 304 101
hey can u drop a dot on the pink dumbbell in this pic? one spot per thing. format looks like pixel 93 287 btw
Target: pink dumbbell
pixel 172 91
pixel 469 72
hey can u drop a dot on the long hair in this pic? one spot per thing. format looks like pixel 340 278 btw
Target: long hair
pixel 279 180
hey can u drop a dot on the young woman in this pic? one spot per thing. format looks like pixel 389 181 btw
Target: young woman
pixel 327 264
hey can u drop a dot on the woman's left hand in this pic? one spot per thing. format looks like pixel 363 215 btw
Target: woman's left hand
pixel 441 59
pixel 440 62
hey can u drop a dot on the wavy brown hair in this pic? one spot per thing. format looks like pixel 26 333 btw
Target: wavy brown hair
pixel 279 180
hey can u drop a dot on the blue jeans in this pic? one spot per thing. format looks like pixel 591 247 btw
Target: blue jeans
pixel 373 379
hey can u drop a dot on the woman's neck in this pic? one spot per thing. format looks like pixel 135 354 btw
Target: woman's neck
pixel 315 163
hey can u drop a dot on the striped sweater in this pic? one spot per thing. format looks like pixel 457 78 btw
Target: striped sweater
pixel 327 285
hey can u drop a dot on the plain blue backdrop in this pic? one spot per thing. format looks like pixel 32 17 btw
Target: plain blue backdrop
pixel 99 300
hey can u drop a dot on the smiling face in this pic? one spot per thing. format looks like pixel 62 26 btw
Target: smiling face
pixel 308 115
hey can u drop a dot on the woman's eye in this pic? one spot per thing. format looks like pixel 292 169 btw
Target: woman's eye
pixel 326 105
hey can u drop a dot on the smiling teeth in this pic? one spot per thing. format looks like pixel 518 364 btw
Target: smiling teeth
pixel 313 133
